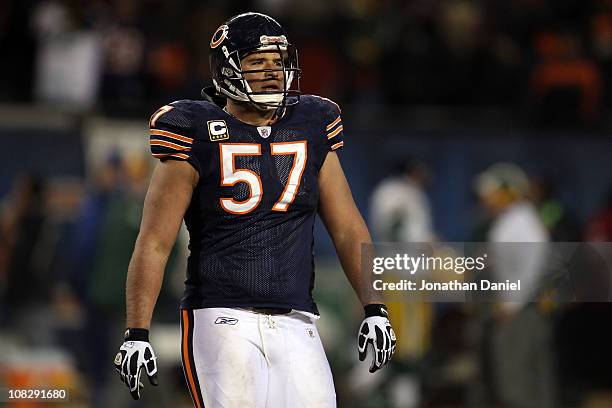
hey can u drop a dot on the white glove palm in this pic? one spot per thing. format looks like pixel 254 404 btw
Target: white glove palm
pixel 132 358
pixel 376 331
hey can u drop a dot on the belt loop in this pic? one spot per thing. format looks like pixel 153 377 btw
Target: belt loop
pixel 271 322
pixel 263 342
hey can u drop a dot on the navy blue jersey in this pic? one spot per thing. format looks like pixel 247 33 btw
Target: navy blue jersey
pixel 252 214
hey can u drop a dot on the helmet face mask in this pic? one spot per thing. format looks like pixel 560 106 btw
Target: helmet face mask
pixel 244 35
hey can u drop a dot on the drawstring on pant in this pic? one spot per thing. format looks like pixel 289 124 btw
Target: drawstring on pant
pixel 271 325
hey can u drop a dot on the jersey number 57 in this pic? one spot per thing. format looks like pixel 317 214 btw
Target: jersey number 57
pixel 230 175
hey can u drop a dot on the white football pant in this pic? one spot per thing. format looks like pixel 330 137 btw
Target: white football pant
pixel 234 358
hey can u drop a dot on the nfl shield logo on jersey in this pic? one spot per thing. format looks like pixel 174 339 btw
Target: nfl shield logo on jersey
pixel 264 131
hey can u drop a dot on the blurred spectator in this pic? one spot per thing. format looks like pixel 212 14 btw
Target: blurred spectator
pixel 123 42
pixel 130 55
pixel 400 212
pixel 105 182
pixel 114 215
pixel 105 286
pixel 399 208
pixel 118 232
pixel 72 290
pixel 503 189
pixel 565 84
pixel 518 332
pixel 68 61
pixel 169 69
pixel 23 220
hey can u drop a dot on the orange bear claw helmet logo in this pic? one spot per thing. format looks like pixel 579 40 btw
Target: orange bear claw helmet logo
pixel 219 36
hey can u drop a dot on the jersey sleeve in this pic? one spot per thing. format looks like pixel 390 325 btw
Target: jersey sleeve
pixel 172 134
pixel 333 126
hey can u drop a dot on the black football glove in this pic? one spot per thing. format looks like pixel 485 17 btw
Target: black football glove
pixel 135 355
pixel 376 331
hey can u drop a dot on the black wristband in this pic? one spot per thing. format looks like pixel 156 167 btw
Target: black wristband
pixel 136 335
pixel 376 309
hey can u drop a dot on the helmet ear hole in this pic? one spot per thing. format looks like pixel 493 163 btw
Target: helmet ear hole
pixel 241 36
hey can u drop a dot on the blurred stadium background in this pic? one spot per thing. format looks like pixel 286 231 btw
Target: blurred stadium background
pixel 454 85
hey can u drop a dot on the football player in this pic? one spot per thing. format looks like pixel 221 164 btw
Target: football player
pixel 248 169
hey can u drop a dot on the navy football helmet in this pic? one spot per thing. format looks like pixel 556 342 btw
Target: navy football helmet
pixel 245 34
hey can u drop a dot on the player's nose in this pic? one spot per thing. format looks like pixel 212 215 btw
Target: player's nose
pixel 273 73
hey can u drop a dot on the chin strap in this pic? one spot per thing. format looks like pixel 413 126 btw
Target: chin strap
pixel 278 113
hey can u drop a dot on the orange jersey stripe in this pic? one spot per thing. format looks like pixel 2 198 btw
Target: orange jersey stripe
pixel 179 155
pixel 192 386
pixel 158 113
pixel 334 123
pixel 337 145
pixel 171 135
pixel 156 142
pixel 335 132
